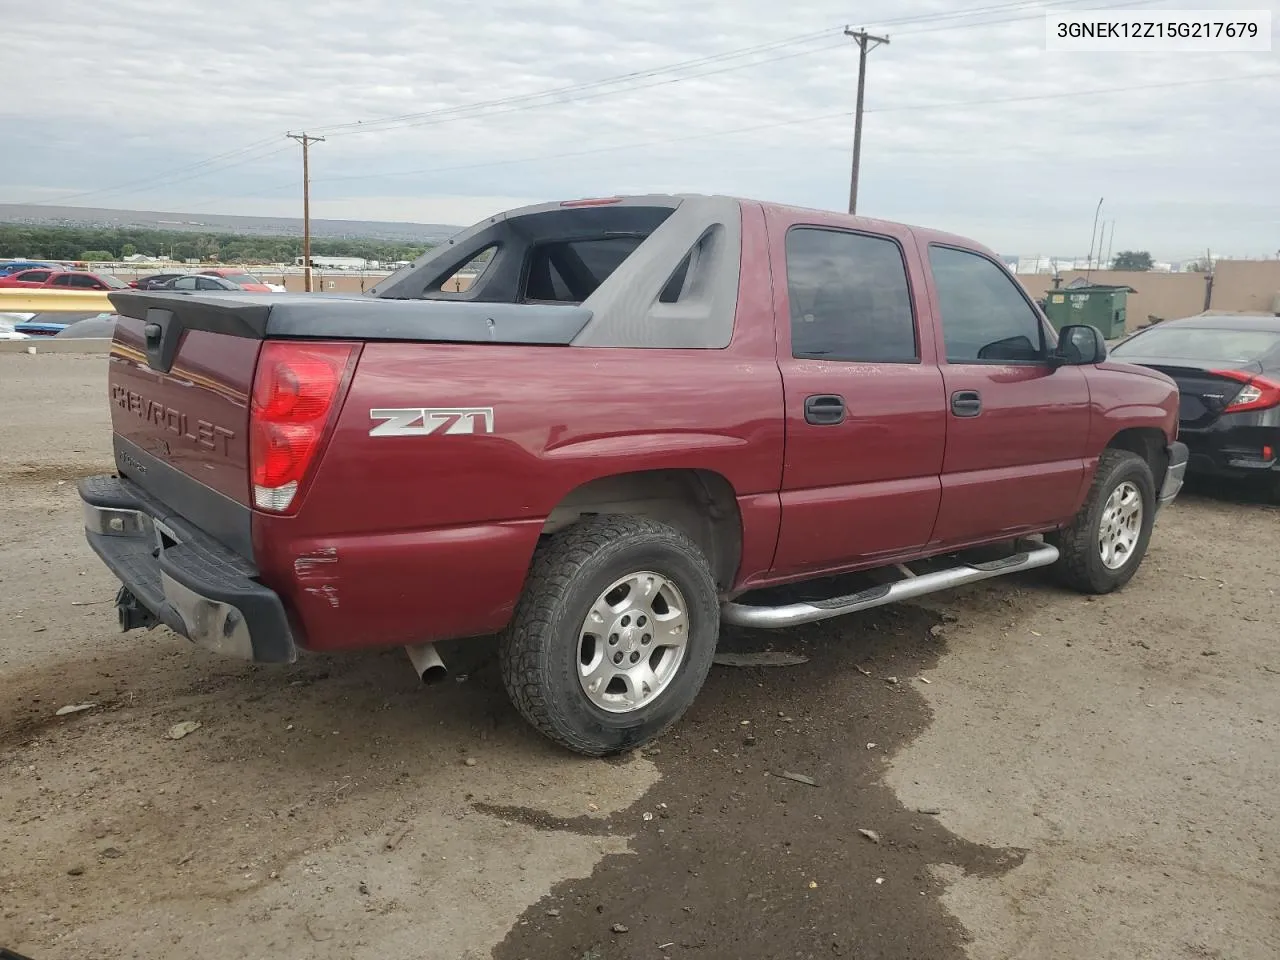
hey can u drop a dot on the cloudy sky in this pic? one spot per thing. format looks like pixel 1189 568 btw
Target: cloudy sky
pixel 448 112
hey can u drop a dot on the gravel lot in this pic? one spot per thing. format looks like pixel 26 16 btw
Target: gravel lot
pixel 1080 779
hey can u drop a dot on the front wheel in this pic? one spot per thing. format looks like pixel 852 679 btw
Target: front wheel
pixel 1104 545
pixel 613 635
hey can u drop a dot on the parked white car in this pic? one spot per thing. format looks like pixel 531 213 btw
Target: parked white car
pixel 7 323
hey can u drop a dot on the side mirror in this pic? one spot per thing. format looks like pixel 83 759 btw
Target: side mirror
pixel 1079 345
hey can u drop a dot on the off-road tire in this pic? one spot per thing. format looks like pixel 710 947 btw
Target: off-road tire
pixel 538 652
pixel 1079 564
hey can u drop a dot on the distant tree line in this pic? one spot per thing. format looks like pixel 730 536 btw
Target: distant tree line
pixel 87 243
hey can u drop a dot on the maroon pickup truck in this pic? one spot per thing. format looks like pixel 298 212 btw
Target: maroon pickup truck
pixel 641 417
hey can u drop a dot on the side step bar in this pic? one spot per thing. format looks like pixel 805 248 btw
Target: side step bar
pixel 791 614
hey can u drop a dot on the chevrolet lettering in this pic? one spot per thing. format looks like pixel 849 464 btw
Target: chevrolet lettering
pixel 202 432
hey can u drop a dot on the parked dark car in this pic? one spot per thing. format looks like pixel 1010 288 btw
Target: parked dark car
pixel 1227 368
pixel 241 278
pixel 153 282
pixel 194 281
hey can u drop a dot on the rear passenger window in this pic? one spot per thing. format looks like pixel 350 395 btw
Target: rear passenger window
pixel 985 317
pixel 849 298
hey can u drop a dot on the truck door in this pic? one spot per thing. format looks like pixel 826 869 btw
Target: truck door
pixel 865 414
pixel 1017 427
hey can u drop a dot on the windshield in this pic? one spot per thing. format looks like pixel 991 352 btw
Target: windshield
pixel 241 278
pixel 1204 344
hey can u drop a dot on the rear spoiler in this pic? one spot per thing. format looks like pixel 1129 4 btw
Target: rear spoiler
pixel 310 316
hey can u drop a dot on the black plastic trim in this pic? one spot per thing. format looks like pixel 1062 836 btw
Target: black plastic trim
pixel 199 562
pixel 221 517
pixel 322 316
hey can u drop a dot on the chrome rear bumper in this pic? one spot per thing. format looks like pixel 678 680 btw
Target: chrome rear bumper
pixel 188 581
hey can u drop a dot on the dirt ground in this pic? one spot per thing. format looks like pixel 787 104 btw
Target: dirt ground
pixel 1079 779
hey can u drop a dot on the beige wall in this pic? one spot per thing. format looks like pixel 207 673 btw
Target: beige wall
pixel 344 282
pixel 1238 285
pixel 341 282
pixel 1249 285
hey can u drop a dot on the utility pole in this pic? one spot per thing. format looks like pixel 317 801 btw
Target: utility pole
pixel 1110 236
pixel 865 42
pixel 1094 240
pixel 303 139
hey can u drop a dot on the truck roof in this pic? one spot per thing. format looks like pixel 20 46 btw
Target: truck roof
pixel 833 218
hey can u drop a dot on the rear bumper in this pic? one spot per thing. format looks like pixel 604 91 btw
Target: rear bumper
pixel 1174 473
pixel 1235 446
pixel 183 577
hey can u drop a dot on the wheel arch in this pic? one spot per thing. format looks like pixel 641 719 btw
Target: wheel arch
pixel 1147 442
pixel 702 504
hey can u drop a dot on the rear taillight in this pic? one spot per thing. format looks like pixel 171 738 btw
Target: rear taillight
pixel 1258 393
pixel 296 389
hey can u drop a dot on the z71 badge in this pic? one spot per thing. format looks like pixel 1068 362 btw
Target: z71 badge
pixel 421 421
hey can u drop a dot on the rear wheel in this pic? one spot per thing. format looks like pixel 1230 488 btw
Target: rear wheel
pixel 1104 545
pixel 613 635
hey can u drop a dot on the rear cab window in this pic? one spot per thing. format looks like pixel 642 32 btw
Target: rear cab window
pixel 850 298
pixel 569 271
pixel 639 289
pixel 549 255
pixel 986 318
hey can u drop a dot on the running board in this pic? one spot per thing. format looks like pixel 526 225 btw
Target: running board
pixel 791 614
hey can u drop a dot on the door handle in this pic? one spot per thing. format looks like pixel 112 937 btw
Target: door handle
pixel 966 403
pixel 824 410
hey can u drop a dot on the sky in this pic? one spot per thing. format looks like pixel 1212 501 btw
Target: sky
pixel 448 113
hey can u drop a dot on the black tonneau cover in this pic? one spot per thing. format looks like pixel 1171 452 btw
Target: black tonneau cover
pixel 324 316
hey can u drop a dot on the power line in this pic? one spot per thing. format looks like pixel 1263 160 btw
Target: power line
pixel 590 90
pixel 796 121
pixel 160 179
pixel 241 155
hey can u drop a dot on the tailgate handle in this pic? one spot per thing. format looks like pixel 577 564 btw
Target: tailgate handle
pixel 163 332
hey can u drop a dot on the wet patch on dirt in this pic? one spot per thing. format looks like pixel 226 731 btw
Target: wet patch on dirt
pixel 45 472
pixel 731 857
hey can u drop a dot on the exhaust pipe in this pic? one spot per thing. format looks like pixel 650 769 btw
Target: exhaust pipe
pixel 427 663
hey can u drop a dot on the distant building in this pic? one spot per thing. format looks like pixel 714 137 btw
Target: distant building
pixel 339 263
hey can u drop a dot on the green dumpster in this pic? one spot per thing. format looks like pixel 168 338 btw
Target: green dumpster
pixel 1097 304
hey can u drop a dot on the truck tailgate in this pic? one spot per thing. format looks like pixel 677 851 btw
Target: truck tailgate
pixel 180 418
